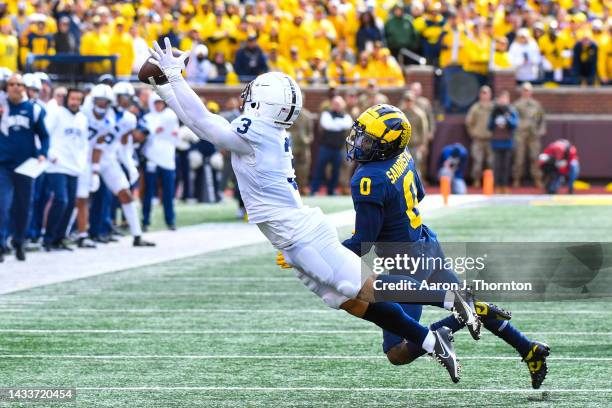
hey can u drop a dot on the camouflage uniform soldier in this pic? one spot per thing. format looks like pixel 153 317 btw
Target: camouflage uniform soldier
pixel 301 138
pixel 418 144
pixel 425 105
pixel 477 124
pixel 531 128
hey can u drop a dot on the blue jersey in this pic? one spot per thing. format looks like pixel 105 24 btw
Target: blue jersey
pixel 458 154
pixel 386 195
pixel 19 126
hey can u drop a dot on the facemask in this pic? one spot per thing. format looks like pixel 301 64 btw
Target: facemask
pixel 100 111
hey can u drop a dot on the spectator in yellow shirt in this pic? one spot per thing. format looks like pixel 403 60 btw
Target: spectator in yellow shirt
pixel 300 67
pixel 297 34
pixel 477 51
pixel 219 32
pixel 555 49
pixel 192 38
pixel 387 70
pixel 9 46
pixel 96 42
pixel 324 33
pixel 503 22
pixel 122 44
pixel 364 70
pixel 338 20
pixel 501 58
pixel 604 59
pixel 271 39
pixel 318 68
pixel 452 42
pixel 339 71
pixel 277 62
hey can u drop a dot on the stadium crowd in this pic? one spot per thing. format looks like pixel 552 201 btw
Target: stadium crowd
pixel 317 42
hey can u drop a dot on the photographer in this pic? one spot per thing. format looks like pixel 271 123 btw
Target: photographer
pixel 502 122
pixel 559 164
pixel 452 163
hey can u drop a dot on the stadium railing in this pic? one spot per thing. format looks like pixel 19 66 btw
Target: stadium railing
pixel 69 67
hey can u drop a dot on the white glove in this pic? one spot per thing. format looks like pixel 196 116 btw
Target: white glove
pixel 170 65
pixel 95 183
pixel 133 174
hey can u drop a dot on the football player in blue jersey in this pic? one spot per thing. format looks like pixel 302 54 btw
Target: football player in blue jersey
pixel 386 191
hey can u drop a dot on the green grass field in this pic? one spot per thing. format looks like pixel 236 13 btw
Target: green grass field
pixel 191 214
pixel 230 329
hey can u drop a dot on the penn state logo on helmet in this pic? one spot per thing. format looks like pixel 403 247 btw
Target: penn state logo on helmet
pixel 379 133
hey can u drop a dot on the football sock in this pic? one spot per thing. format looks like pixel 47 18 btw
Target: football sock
pixel 510 334
pixel 439 298
pixel 390 316
pixel 429 342
pixel 449 321
pixel 131 215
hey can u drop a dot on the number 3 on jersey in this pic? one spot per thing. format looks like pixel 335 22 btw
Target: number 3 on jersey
pixel 410 193
pixel 246 122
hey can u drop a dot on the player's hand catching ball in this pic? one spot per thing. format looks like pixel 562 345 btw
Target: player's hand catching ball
pixel 170 64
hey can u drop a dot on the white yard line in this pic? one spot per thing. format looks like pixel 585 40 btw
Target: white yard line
pixel 47 268
pixel 37 312
pixel 347 389
pixel 260 357
pixel 258 332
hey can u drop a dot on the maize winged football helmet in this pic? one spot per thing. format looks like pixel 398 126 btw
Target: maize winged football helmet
pixel 379 133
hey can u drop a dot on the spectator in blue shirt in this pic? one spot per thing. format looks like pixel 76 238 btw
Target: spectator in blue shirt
pixel 502 123
pixel 368 31
pixel 250 60
pixel 21 122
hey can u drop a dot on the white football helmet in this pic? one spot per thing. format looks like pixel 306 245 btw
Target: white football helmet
pixel 275 96
pixel 5 73
pixel 102 91
pixel 123 88
pixel 32 81
pixel 43 77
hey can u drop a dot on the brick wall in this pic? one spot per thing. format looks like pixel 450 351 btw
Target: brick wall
pixel 557 100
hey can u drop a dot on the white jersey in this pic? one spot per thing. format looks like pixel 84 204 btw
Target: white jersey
pixel 163 137
pixel 69 147
pixel 125 122
pixel 103 127
pixel 266 180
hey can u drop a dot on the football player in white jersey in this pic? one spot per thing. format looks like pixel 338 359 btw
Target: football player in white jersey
pixel 261 159
pixel 105 143
pixel 68 151
pixel 125 124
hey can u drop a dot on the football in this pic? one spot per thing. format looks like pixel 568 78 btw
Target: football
pixel 151 74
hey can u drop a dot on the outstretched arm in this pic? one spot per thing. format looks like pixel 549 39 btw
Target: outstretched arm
pixel 190 109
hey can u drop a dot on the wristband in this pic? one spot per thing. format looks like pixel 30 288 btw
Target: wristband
pixel 95 167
